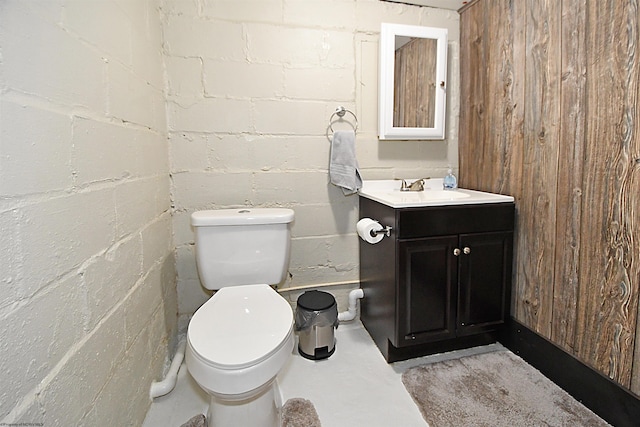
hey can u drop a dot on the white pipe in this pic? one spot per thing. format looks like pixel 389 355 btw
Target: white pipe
pixel 350 314
pixel 317 286
pixel 160 388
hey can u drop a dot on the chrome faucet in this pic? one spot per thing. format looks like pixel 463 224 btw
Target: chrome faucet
pixel 417 185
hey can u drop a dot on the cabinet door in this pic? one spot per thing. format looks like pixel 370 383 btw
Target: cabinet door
pixel 485 281
pixel 427 274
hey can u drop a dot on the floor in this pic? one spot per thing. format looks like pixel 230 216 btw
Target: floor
pixel 354 387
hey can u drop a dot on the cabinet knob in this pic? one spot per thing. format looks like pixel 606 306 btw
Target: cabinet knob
pixel 456 252
pixel 466 250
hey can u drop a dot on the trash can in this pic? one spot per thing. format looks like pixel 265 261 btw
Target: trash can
pixel 316 320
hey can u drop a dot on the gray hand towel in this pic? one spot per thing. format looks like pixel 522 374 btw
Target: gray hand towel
pixel 343 166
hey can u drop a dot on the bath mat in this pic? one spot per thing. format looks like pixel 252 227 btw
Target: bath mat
pixel 197 421
pixel 299 412
pixel 493 389
pixel 296 412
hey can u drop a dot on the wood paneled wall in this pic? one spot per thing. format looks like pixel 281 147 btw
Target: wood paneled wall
pixel 550 113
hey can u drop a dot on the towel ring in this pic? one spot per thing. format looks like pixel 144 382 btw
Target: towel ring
pixel 340 112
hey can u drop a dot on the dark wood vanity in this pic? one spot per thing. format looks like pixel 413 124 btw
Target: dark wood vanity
pixel 440 281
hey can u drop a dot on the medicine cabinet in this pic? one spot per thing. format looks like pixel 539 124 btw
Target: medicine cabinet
pixel 412 93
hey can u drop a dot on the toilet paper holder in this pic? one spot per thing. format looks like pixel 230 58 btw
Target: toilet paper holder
pixel 386 231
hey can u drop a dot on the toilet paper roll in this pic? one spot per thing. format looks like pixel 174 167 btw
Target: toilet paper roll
pixel 364 228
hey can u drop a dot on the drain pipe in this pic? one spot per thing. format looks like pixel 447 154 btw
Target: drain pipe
pixel 350 314
pixel 160 388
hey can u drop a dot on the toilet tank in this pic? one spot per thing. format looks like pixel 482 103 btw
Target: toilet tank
pixel 242 246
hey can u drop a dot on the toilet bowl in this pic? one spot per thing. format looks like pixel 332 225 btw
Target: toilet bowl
pixel 242 337
pixel 238 338
pixel 237 343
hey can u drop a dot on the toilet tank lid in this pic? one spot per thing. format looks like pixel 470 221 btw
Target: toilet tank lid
pixel 242 216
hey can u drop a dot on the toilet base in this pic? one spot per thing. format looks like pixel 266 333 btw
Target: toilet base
pixel 260 410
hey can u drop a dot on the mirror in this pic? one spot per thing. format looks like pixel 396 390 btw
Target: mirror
pixel 413 68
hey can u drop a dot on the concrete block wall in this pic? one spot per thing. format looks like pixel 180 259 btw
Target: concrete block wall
pixel 87 303
pixel 251 88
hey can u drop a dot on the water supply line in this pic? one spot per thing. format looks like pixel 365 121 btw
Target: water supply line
pixel 350 314
pixel 160 388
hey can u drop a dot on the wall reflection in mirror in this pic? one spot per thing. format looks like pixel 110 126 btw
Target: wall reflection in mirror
pixel 412 82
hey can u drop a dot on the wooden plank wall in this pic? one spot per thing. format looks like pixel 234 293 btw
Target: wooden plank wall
pixel 550 114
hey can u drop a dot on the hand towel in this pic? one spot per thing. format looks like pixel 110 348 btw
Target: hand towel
pixel 343 166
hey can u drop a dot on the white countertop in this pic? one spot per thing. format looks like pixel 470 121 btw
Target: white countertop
pixel 388 193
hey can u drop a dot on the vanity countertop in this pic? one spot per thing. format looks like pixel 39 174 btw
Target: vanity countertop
pixel 388 193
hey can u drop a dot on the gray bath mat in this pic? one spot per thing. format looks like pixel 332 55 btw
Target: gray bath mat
pixel 197 421
pixel 493 389
pixel 296 412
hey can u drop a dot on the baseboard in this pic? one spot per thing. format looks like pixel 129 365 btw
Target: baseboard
pixel 612 402
pixel 396 354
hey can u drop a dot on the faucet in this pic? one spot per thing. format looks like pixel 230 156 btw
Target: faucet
pixel 417 185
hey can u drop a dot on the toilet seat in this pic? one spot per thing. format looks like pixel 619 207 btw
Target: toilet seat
pixel 240 326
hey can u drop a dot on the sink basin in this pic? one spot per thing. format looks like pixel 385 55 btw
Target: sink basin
pixel 425 196
pixel 388 192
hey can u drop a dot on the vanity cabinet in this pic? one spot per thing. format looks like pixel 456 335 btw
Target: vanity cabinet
pixel 440 281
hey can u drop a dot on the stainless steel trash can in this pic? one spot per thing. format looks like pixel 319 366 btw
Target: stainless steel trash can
pixel 316 320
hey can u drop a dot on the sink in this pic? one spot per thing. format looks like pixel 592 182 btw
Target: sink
pixel 388 192
pixel 425 196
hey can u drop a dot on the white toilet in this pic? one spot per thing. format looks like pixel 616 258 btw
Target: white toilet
pixel 240 339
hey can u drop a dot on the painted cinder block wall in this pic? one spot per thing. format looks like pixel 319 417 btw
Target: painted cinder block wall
pixel 251 88
pixel 87 284
pixel 88 172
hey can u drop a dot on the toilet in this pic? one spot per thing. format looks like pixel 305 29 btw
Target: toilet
pixel 241 338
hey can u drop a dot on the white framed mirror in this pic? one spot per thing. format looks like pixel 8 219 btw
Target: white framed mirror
pixel 412 74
